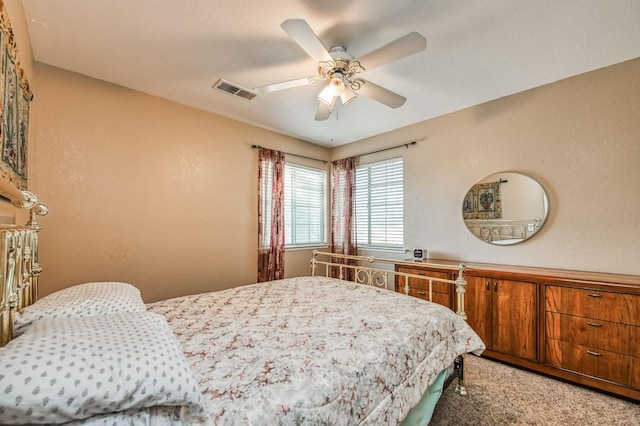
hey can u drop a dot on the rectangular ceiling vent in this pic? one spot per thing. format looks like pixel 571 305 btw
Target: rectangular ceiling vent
pixel 235 90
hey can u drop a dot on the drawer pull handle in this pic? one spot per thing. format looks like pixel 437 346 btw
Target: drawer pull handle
pixel 486 285
pixel 594 295
pixel 422 293
pixel 593 324
pixel 594 353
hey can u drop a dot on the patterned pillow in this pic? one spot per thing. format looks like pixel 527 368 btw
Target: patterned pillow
pixel 72 368
pixel 99 298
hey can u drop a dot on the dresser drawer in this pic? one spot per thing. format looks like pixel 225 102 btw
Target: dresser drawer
pixel 423 285
pixel 635 373
pixel 609 336
pixel 593 362
pixel 439 298
pixel 595 304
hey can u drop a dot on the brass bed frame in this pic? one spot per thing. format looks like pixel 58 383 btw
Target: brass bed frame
pixel 19 267
pixel 359 269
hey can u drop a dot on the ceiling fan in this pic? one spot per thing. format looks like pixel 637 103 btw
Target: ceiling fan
pixel 343 71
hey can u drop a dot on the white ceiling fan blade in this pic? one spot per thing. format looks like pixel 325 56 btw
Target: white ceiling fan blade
pixel 324 111
pixel 261 90
pixel 301 33
pixel 409 44
pixel 380 94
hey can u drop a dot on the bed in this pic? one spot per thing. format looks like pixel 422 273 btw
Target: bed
pixel 303 350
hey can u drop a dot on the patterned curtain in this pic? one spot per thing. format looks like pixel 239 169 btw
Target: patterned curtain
pixel 343 237
pixel 270 215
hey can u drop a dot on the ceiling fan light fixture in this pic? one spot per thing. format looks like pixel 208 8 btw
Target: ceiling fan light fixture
pixel 327 96
pixel 336 85
pixel 347 96
pixel 335 88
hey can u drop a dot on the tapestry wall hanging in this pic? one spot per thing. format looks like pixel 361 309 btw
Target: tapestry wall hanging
pixel 483 201
pixel 15 96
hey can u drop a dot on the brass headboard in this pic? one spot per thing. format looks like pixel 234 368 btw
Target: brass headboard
pixel 19 267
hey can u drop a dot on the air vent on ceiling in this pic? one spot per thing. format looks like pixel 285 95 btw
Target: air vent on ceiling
pixel 233 89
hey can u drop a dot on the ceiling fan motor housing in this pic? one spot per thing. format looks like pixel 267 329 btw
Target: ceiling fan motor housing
pixel 343 67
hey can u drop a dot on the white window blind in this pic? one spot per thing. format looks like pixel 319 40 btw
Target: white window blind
pixel 339 209
pixel 379 204
pixel 304 205
pixel 266 199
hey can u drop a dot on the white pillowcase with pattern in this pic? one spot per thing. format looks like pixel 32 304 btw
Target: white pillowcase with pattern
pixel 96 298
pixel 66 369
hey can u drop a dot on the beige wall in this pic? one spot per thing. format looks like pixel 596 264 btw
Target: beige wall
pixel 144 190
pixel 141 189
pixel 133 181
pixel 580 138
pixel 19 25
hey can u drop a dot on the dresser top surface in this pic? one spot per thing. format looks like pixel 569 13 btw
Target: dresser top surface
pixel 536 272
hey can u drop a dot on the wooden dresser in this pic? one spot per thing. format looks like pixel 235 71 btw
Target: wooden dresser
pixel 582 327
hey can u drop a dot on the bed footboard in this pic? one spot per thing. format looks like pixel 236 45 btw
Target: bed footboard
pixel 360 269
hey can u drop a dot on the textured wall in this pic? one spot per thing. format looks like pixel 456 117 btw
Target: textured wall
pixel 580 138
pixel 134 181
pixel 145 190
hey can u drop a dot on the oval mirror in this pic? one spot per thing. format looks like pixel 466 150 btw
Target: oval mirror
pixel 505 208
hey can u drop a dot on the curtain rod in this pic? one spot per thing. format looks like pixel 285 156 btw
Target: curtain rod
pixel 295 155
pixel 406 145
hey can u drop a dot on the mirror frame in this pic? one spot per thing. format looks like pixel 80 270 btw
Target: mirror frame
pixel 482 210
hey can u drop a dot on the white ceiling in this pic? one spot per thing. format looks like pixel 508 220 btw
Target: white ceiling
pixel 476 51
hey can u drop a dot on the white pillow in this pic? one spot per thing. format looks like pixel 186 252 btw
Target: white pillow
pixel 98 298
pixel 72 368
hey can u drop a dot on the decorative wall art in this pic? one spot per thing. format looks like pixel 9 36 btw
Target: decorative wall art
pixel 468 206
pixel 15 96
pixel 483 202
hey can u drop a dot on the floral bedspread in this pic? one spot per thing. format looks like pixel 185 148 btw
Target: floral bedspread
pixel 314 350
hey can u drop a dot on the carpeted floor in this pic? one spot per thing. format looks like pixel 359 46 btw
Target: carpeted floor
pixel 502 395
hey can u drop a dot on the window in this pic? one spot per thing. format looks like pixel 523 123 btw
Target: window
pixel 379 204
pixel 304 205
